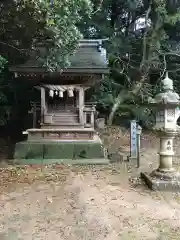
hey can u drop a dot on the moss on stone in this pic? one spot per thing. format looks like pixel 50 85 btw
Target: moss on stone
pixel 47 152
pixel 28 150
pixel 58 150
pixel 88 150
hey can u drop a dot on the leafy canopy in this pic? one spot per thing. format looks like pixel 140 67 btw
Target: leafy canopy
pixel 24 23
pixel 143 44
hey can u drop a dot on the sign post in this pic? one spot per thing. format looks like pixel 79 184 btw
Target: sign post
pixel 133 141
pixel 138 134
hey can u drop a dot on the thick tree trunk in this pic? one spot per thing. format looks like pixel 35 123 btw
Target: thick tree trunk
pixel 119 100
pixel 122 97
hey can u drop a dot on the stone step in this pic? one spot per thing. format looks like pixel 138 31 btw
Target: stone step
pixel 64 122
pixel 70 120
pixel 65 119
pixel 61 130
pixel 65 115
pixel 61 125
pixel 67 133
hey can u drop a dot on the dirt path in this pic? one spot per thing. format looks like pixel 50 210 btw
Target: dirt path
pixel 85 204
pixel 88 203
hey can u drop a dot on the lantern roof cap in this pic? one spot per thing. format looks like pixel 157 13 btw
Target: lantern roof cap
pixel 167 83
pixel 168 95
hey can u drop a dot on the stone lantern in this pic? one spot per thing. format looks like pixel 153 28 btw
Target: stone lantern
pixel 167 113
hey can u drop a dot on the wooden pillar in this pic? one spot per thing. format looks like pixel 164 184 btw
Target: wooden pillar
pixel 92 119
pixel 43 104
pixel 34 115
pixel 77 98
pixel 85 118
pixel 81 105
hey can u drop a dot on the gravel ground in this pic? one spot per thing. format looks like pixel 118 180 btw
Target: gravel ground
pixel 86 203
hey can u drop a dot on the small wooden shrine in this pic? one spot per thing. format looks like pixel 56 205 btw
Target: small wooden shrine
pixel 66 131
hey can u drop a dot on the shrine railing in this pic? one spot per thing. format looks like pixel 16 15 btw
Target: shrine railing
pixel 35 108
pixel 89 114
pixel 89 111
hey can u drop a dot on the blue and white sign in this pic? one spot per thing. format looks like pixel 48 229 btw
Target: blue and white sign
pixel 133 143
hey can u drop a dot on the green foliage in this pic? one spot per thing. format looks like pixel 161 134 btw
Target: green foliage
pixel 139 56
pixel 4 110
pixel 134 53
pixel 3 63
pixel 25 23
pixel 104 95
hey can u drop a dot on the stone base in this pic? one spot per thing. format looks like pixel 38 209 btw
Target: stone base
pixel 158 184
pixel 48 152
pixel 60 134
pixel 131 159
pixel 100 161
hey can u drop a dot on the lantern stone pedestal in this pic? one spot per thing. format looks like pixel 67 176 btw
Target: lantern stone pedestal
pixel 165 178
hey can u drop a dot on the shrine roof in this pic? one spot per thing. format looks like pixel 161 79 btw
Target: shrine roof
pixel 90 57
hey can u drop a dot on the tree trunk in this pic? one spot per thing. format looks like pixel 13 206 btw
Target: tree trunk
pixel 122 97
pixel 119 100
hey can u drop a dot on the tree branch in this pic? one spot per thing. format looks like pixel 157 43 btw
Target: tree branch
pixel 169 53
pixel 98 8
pixel 145 37
pixel 165 67
pixel 123 96
pixel 11 46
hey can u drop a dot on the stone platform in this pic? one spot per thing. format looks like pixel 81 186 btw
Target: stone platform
pixel 69 133
pixel 68 152
pixel 171 184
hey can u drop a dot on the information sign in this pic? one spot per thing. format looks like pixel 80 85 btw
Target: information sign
pixel 133 149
